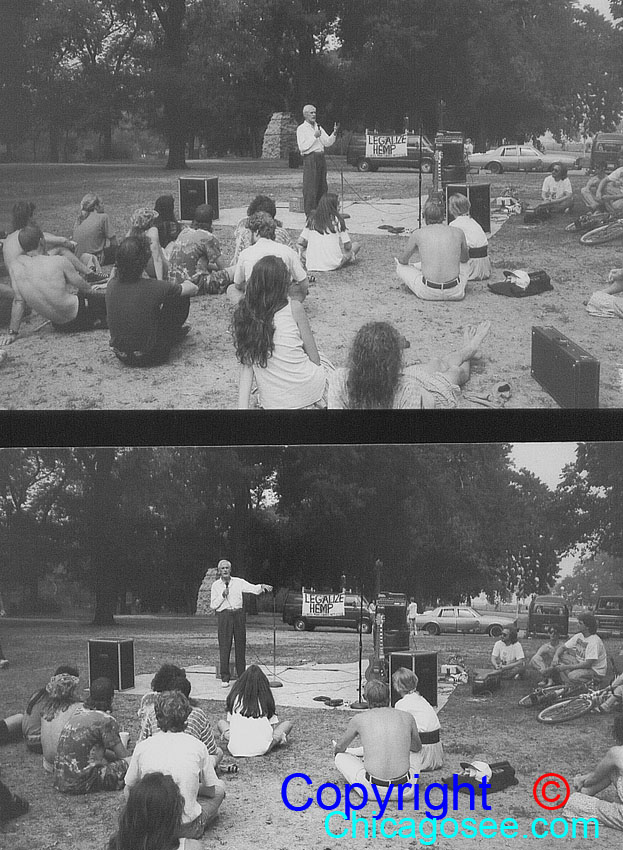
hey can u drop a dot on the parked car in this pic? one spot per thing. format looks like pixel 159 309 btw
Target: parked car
pixel 607 151
pixel 545 612
pixel 521 158
pixel 357 155
pixel 354 609
pixel 457 619
pixel 609 613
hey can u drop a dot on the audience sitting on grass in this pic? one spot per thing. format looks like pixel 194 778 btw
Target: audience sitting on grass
pixel 146 317
pixel 389 741
pixel 582 658
pixel 152 817
pixel 90 755
pixel 196 255
pixel 28 724
pixel 584 802
pixel 607 303
pixel 184 757
pixel 556 192
pixel 405 683
pixel 167 225
pixel 252 728
pixel 442 273
pixel 51 287
pixel 275 344
pixel 143 222
pixel 263 244
pixel 377 379
pixel 543 657
pixel 92 230
pixel 64 700
pixel 325 244
pixel 23 212
pixel 508 655
pixel 589 191
pixel 610 192
pixel 479 264
pixel 197 724
pixel 242 234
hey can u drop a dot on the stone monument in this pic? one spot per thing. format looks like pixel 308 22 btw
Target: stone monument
pixel 203 597
pixel 280 136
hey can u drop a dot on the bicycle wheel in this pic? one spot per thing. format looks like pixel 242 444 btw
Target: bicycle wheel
pixel 601 235
pixel 568 709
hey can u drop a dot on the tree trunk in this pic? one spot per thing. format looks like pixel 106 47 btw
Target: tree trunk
pixel 101 512
pixel 177 151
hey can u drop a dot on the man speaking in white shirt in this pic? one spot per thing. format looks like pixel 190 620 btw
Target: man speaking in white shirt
pixel 226 601
pixel 312 140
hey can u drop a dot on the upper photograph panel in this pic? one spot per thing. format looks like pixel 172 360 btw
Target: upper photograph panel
pixel 367 223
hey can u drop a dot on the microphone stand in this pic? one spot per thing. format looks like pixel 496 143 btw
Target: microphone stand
pixel 274 682
pixel 361 703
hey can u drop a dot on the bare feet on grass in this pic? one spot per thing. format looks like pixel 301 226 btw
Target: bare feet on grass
pixel 473 336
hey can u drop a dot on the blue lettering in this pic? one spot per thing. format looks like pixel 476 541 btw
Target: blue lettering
pixel 338 796
pixel 441 808
pixel 284 792
pixel 348 803
pixel 382 802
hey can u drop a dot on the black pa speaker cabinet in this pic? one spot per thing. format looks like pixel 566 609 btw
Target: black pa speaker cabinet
pixel 567 372
pixel 479 196
pixel 197 190
pixel 113 659
pixel 424 665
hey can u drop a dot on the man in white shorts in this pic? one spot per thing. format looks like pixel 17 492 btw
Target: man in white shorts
pixel 442 273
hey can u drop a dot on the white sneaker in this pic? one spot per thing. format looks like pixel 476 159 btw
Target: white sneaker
pixel 225 684
pixel 4 662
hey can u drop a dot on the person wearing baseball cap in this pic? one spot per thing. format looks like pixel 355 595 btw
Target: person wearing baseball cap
pixel 227 603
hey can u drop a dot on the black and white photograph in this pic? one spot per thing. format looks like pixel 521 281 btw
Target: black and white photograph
pixel 311 646
pixel 163 163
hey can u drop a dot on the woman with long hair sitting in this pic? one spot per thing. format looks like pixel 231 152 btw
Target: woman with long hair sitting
pixel 275 344
pixel 252 728
pixel 376 377
pixel 152 817
pixel 325 244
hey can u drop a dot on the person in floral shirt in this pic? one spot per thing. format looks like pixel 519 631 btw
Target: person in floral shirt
pixel 90 755
pixel 196 255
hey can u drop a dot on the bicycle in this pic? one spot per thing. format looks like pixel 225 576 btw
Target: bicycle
pixel 588 221
pixel 549 694
pixel 578 706
pixel 603 234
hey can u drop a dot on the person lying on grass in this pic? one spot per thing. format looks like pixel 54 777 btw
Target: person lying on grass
pixel 252 728
pixel 376 377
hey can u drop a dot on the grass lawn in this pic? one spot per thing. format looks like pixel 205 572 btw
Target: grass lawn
pixel 79 372
pixel 253 814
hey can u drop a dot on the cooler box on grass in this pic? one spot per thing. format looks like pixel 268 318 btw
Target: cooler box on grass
pixel 113 659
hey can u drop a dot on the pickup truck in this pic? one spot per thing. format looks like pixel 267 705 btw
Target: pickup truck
pixel 609 614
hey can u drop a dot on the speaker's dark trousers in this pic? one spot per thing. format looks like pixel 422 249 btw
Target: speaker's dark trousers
pixel 232 625
pixel 314 180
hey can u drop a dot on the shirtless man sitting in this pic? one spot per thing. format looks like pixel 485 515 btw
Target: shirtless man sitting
pixel 442 273
pixel 52 288
pixel 388 737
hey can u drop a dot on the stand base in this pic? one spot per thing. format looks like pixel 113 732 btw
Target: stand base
pixel 274 683
pixel 359 705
